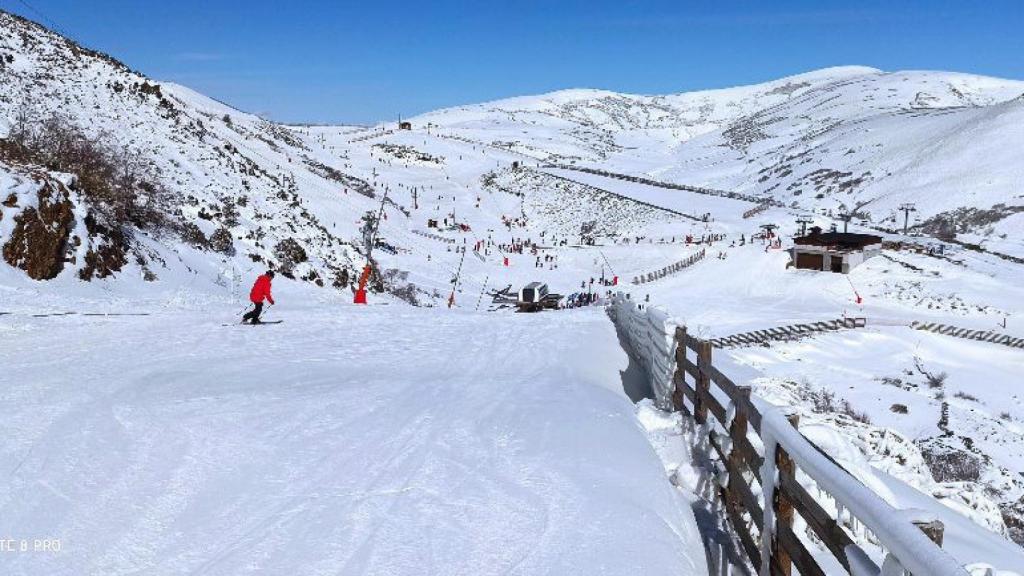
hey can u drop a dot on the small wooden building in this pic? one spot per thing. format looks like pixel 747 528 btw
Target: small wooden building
pixel 833 251
pixel 405 125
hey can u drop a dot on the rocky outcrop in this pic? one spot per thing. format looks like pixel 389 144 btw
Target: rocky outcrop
pixel 40 237
pixel 107 253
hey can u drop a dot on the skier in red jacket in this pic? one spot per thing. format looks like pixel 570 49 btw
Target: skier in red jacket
pixel 260 291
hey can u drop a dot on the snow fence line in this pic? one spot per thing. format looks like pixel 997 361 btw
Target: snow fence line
pixel 756 210
pixel 437 237
pixel 727 419
pixel 968 334
pixel 788 332
pixel 767 202
pixel 671 268
pixel 371 136
pixel 610 193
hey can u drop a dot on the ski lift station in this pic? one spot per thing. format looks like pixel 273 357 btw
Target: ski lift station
pixel 833 251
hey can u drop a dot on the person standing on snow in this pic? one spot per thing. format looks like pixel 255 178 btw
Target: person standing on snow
pixel 260 291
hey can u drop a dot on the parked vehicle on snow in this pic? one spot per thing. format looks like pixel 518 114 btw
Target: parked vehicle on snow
pixel 535 296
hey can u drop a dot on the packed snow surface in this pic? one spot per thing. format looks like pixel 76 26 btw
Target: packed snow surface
pixel 346 440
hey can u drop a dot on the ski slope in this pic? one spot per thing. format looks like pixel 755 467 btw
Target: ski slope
pixel 377 440
pixel 392 439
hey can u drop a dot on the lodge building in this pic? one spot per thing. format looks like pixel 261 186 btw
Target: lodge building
pixel 833 251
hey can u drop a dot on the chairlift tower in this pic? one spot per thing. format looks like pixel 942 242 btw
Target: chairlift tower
pixel 907 208
pixel 803 221
pixel 845 217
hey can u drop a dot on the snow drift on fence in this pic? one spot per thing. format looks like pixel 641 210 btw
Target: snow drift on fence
pixel 649 333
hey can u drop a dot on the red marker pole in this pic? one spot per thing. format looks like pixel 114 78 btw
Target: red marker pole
pixel 360 297
pixel 855 293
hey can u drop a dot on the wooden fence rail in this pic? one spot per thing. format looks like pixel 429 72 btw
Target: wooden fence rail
pixel 671 268
pixel 755 210
pixel 968 334
pixel 733 426
pixel 437 237
pixel 755 337
pixel 371 135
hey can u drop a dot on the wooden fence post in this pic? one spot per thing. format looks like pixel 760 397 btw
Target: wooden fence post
pixel 734 460
pixel 678 383
pixel 783 507
pixel 933 530
pixel 703 385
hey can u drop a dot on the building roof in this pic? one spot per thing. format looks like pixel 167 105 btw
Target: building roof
pixel 842 240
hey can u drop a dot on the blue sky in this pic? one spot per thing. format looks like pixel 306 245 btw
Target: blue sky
pixel 324 61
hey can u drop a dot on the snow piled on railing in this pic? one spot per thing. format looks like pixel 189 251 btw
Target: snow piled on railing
pixel 894 528
pixel 649 333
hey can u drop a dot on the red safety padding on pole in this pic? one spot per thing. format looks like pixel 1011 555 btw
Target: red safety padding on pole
pixel 360 297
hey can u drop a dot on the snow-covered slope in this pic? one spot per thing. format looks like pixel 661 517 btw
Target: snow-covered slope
pixel 327 453
pixel 226 170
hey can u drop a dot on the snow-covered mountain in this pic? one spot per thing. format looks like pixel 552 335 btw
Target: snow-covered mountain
pixel 840 139
pixel 848 139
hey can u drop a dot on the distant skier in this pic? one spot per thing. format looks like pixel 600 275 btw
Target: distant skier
pixel 260 291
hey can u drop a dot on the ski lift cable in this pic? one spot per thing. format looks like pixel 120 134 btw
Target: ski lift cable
pixel 44 18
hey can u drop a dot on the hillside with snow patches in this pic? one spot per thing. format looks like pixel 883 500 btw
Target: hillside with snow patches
pixel 470 424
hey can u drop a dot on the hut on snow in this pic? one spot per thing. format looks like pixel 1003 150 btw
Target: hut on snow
pixel 833 251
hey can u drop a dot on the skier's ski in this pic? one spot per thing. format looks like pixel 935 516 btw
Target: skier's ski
pixel 258 324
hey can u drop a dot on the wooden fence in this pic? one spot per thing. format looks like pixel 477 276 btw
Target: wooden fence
pixel 671 268
pixel 751 441
pixel 437 237
pixel 371 135
pixel 968 334
pixel 790 332
pixel 755 210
